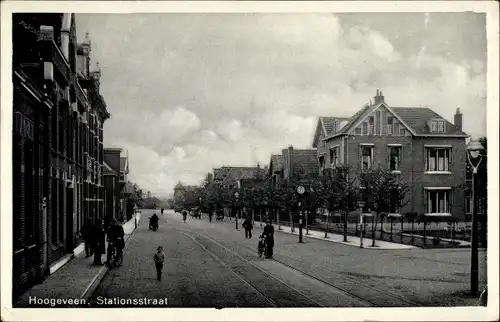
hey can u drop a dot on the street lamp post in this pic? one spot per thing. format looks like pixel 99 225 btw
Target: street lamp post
pixel 474 157
pixel 361 204
pixel 236 197
pixel 300 191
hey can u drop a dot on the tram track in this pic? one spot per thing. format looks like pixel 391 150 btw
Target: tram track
pixel 301 295
pixel 370 295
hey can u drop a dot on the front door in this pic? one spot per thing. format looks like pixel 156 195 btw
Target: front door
pixel 70 235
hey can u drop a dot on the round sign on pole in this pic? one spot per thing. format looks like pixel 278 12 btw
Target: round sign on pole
pixel 300 190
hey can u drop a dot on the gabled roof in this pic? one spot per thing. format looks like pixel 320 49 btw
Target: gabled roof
pixel 329 123
pixel 276 162
pixel 305 160
pixel 221 173
pixel 124 164
pixel 238 173
pixel 127 188
pixel 107 170
pixel 414 118
pixel 326 124
pixel 417 118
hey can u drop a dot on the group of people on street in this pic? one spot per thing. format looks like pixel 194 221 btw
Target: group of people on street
pixel 267 234
pixel 95 235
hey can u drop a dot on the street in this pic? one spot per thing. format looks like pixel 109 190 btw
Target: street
pixel 213 265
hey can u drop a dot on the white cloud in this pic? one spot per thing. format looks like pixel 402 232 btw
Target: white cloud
pixel 191 92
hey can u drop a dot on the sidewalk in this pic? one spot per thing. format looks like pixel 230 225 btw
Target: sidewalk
pixel 75 280
pixel 336 238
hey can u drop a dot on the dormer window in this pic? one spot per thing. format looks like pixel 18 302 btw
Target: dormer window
pixel 437 125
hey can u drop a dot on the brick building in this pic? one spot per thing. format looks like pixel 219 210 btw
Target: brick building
pixel 58 116
pixel 300 162
pixel 422 147
pixel 115 182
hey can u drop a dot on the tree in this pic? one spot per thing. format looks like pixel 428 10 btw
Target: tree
pixel 347 193
pixel 383 192
pixel 411 216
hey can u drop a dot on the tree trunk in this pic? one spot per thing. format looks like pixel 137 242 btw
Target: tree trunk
pixel 292 229
pixel 381 228
pixel 392 223
pixel 374 224
pixel 402 224
pixel 326 230
pixel 412 232
pixel 345 226
pixel 260 214
pixel 425 230
pixel 278 218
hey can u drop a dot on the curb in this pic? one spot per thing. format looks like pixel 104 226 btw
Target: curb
pixel 90 289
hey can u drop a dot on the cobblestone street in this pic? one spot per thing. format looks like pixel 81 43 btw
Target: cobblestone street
pixel 212 264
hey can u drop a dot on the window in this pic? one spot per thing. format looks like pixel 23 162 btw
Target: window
pixel 395 158
pixel 437 126
pixel 468 205
pixel 438 201
pixel 333 157
pixel 437 159
pixel 366 157
pixel 358 130
pixel 434 126
pixel 54 211
pixel 321 163
pixel 390 124
pixel 395 202
pixel 365 128
pixel 402 132
pixel 440 126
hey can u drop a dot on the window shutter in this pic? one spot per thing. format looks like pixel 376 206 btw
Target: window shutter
pixel 388 158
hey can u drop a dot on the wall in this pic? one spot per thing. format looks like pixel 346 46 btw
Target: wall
pixel 455 180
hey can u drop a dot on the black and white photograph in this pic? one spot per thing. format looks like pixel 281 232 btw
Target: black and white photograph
pixel 239 155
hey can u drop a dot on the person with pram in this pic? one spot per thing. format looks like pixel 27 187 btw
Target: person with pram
pixel 153 222
pixel 267 240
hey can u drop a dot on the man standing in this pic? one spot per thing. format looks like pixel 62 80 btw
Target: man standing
pixel 268 234
pixel 87 236
pixel 99 242
pixel 247 224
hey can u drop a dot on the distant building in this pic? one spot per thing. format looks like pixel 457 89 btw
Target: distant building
pixel 300 163
pixel 116 181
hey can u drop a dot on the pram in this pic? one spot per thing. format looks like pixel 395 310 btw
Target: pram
pixel 262 246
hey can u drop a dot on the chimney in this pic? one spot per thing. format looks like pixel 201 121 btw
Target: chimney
pixel 458 119
pixel 379 98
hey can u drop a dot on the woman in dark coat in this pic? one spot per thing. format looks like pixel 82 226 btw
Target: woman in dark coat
pixel 269 235
pixel 99 242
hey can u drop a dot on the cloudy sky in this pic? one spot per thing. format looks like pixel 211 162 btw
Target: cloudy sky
pixel 189 92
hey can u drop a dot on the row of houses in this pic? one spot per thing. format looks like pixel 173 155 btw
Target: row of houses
pixel 62 175
pixel 416 143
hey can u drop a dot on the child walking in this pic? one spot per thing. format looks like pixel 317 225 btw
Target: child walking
pixel 159 258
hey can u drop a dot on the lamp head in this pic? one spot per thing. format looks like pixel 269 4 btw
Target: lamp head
pixel 301 190
pixel 474 148
pixel 361 204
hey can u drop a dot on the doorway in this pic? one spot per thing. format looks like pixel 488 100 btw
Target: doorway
pixel 70 236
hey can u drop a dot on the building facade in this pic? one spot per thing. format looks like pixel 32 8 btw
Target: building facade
pixel 301 163
pixel 116 178
pixel 417 144
pixel 58 115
